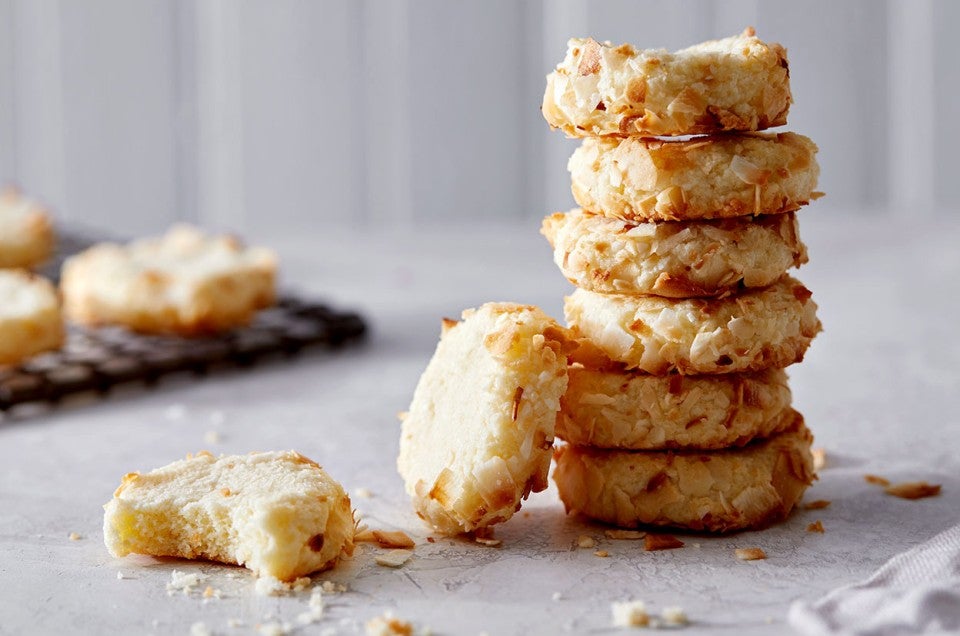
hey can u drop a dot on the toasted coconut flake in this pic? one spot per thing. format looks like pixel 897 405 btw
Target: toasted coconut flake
pixel 601 553
pixel 876 480
pixel 913 490
pixel 517 396
pixel 393 539
pixel 819 504
pixel 626 535
pixel 816 526
pixel 750 554
pixel 654 542
pixel 748 172
pixel 590 59
pixel 394 558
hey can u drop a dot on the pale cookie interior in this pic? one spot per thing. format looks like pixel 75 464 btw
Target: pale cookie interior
pixel 478 435
pixel 277 513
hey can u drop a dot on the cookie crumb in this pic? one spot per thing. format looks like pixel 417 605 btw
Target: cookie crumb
pixel 624 535
pixel 913 490
pixel 819 504
pixel 492 543
pixel 654 542
pixel 674 616
pixel 394 558
pixel 750 554
pixel 601 553
pixel 876 480
pixel 816 526
pixel 329 587
pixel 630 614
pixel 184 582
pixel 584 541
pixel 74 536
pixel 363 493
pixel 200 629
pixel 314 613
pixel 387 625
pixel 556 596
pixel 211 592
pixel 274 629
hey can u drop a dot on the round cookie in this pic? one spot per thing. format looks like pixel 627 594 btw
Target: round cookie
pixel 277 513
pixel 750 331
pixel 30 318
pixel 638 411
pixel 478 436
pixel 719 491
pixel 26 233
pixel 737 83
pixel 701 178
pixel 185 283
pixel 680 259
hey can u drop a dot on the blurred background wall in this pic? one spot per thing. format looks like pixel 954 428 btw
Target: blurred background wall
pixel 130 114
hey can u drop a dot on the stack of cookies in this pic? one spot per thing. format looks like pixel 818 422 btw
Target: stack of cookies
pixel 678 410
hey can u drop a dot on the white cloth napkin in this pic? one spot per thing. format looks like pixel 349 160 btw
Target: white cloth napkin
pixel 916 592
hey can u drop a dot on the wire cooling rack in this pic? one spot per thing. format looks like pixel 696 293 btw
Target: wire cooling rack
pixel 98 359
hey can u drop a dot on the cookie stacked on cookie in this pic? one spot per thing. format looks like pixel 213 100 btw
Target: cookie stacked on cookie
pixel 678 410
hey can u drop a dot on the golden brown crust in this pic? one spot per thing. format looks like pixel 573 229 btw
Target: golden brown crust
pixel 627 410
pixel 750 331
pixel 701 178
pixel 719 491
pixel 738 83
pixel 680 259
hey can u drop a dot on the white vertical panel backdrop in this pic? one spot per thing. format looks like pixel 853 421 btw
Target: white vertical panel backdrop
pixel 127 115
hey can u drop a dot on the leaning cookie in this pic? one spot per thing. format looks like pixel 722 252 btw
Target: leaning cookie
pixel 673 259
pixel 719 491
pixel 478 436
pixel 701 178
pixel 30 318
pixel 759 329
pixel 277 513
pixel 26 232
pixel 738 83
pixel 184 283
pixel 639 411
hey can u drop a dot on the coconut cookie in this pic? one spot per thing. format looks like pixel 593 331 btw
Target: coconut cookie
pixel 628 410
pixel 738 83
pixel 759 329
pixel 478 436
pixel 673 259
pixel 700 178
pixel 277 513
pixel 185 283
pixel 720 491
pixel 26 232
pixel 30 319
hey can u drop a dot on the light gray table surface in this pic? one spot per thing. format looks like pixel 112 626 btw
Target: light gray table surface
pixel 879 388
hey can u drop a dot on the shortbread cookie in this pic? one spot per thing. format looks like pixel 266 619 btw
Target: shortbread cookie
pixel 718 491
pixel 277 513
pixel 679 259
pixel 30 319
pixel 750 331
pixel 738 83
pixel 478 435
pixel 185 283
pixel 629 410
pixel 699 178
pixel 26 232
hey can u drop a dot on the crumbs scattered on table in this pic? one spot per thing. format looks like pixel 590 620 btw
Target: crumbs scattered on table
pixel 314 613
pixel 654 542
pixel 184 582
pixel 387 625
pixel 601 553
pixel 274 629
pixel 674 616
pixel 584 541
pixel 819 504
pixel 394 558
pixel 393 539
pixel 816 526
pixel 750 554
pixel 913 490
pixel 490 543
pixel 624 535
pixel 74 536
pixel 876 480
pixel 630 614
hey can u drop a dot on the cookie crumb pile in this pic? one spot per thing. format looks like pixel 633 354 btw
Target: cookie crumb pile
pixel 678 412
